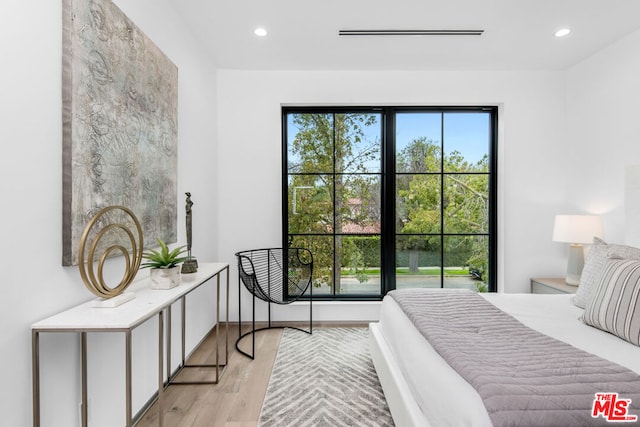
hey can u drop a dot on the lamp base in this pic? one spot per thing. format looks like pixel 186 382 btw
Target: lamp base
pixel 574 264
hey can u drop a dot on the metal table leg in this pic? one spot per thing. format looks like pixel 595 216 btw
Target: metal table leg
pixel 83 359
pixel 219 367
pixel 127 351
pixel 35 374
pixel 160 367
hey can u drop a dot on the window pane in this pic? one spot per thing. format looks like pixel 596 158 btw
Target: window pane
pixel 466 142
pixel 418 204
pixel 360 265
pixel 418 142
pixel 358 145
pixel 321 248
pixel 466 203
pixel 358 204
pixel 466 262
pixel 310 143
pixel 418 262
pixel 310 204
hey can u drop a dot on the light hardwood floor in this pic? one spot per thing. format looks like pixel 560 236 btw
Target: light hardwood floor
pixel 234 402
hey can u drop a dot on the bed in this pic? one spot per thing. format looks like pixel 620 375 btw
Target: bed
pixel 422 389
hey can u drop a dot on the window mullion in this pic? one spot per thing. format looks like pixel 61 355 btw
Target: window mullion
pixel 442 188
pixel 336 272
pixel 388 238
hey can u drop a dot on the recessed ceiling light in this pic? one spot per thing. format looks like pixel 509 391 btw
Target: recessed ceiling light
pixel 260 32
pixel 563 32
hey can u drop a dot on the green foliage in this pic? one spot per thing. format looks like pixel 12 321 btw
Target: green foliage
pixel 328 193
pixel 482 287
pixel 464 206
pixel 354 260
pixel 163 258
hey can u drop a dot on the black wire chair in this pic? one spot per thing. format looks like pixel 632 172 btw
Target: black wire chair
pixel 268 277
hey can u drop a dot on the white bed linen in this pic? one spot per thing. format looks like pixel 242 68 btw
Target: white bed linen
pixel 556 316
pixel 445 398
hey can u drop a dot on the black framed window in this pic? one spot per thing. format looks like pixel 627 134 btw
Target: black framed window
pixel 391 197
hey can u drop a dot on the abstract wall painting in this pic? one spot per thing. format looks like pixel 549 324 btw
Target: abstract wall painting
pixel 120 124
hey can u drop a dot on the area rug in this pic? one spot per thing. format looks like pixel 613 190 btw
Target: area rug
pixel 324 379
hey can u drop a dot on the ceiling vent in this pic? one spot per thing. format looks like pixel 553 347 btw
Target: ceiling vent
pixel 410 32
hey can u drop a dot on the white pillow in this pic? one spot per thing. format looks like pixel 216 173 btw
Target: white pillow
pixel 594 264
pixel 614 306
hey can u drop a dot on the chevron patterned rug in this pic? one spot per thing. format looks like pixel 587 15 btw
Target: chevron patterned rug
pixel 324 379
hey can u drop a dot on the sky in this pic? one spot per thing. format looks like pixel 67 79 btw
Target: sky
pixel 466 132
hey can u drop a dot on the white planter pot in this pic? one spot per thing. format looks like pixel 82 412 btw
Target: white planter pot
pixel 165 278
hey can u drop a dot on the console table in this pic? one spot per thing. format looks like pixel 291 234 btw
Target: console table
pixel 147 304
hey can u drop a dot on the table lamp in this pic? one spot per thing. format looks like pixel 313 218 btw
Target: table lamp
pixel 576 230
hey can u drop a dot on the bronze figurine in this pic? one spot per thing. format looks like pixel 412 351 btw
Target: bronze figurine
pixel 191 264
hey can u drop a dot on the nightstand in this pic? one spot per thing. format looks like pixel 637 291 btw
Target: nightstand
pixel 554 285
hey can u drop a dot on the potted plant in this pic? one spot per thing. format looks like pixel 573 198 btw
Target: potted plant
pixel 164 265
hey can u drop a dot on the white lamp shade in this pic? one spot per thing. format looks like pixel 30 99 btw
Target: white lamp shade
pixel 577 228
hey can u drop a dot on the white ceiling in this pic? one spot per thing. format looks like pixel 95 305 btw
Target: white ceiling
pixel 303 34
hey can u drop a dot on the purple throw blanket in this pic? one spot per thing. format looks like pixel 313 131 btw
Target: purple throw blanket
pixel 525 378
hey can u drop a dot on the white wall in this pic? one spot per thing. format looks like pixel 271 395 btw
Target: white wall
pixel 531 145
pixel 604 132
pixel 35 284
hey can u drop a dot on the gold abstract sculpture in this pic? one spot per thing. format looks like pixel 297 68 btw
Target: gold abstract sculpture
pixel 94 283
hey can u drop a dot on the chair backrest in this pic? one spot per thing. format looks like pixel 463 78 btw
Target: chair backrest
pixel 265 273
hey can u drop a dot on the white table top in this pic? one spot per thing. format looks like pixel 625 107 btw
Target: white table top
pixel 147 303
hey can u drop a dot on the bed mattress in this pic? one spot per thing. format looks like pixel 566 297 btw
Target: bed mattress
pixel 444 397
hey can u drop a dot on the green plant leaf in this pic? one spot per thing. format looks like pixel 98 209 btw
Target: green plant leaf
pixel 163 258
